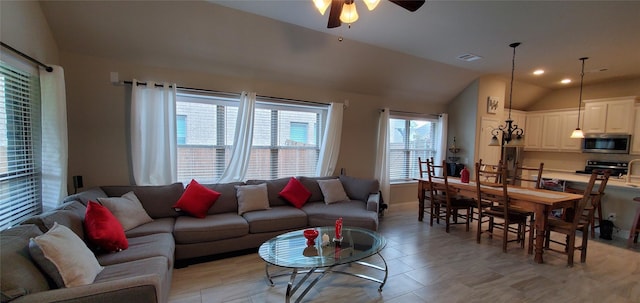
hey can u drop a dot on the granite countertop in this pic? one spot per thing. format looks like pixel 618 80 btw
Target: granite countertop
pixel 583 178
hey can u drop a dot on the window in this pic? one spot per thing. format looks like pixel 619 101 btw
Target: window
pixel 181 129
pixel 20 156
pixel 286 137
pixel 409 138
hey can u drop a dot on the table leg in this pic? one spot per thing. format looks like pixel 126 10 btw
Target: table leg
pixel 541 214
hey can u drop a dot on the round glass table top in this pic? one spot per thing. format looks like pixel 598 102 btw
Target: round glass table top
pixel 291 249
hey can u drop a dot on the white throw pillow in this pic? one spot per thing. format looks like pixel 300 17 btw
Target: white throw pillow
pixel 252 197
pixel 127 209
pixel 333 191
pixel 64 257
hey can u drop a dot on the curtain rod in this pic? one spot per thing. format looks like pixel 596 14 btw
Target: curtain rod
pixel 411 113
pixel 46 67
pixel 220 92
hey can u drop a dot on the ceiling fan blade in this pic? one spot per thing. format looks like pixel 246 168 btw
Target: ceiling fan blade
pixel 334 13
pixel 410 5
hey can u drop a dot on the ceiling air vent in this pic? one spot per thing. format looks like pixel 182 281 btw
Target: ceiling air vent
pixel 469 57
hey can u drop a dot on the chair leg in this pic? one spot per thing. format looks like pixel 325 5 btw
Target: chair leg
pixel 469 215
pixel 479 230
pixel 434 209
pixel 571 246
pixel 421 207
pixel 585 239
pixel 532 226
pixel 547 235
pixel 505 235
pixel 447 219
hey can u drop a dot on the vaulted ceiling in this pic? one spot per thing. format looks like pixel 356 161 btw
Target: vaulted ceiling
pixel 388 52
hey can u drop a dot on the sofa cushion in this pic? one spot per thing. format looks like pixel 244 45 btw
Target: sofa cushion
pixel 278 218
pixel 161 245
pixel 227 202
pixel 332 190
pixel 157 200
pixel 295 193
pixel 64 257
pixel 138 272
pixel 274 187
pixel 353 213
pixel 213 227
pixel 252 197
pixel 127 209
pixel 162 225
pixel 359 188
pixel 70 215
pixel 196 200
pixel 311 183
pixel 103 229
pixel 19 275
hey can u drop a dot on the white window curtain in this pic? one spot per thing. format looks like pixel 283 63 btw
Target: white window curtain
pixel 54 137
pixel 382 155
pixel 153 133
pixel 241 152
pixel 330 148
pixel 441 139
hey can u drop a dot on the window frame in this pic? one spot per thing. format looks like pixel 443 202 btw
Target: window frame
pixel 411 154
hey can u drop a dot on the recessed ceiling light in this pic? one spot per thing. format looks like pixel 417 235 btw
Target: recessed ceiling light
pixel 538 72
pixel 565 81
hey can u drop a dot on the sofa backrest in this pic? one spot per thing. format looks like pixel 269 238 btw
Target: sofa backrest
pixel 274 187
pixel 157 200
pixel 91 194
pixel 359 188
pixel 70 214
pixel 227 202
pixel 19 275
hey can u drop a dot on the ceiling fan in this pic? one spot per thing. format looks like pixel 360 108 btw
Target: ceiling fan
pixel 338 5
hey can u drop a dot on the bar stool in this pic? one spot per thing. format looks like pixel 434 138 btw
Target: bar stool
pixel 635 227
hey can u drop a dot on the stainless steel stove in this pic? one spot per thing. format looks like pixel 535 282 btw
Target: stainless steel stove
pixel 616 168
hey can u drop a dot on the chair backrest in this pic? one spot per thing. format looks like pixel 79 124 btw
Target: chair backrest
pixel 603 178
pixel 438 183
pixel 490 170
pixel 527 175
pixel 489 180
pixel 422 165
pixel 581 205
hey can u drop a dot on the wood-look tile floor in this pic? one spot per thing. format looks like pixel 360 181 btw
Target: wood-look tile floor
pixel 428 265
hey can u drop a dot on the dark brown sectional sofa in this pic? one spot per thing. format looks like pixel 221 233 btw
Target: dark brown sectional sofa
pixel 142 273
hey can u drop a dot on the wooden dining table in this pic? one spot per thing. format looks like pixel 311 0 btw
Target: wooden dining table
pixel 538 201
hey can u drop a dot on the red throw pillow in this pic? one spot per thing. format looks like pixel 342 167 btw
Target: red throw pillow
pixel 103 229
pixel 295 193
pixel 196 200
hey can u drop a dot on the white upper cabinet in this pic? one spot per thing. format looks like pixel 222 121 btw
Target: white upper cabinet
pixel 551 131
pixel 635 145
pixel 533 131
pixel 569 123
pixel 611 115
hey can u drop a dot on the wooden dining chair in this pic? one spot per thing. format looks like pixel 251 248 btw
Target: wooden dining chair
pixel 496 206
pixel 527 176
pixel 445 203
pixel 493 174
pixel 422 203
pixel 594 209
pixel 568 225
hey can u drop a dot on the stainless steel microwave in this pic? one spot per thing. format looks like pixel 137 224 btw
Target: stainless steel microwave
pixel 606 143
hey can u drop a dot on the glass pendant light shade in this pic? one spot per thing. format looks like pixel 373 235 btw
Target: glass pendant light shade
pixel 577 133
pixel 494 141
pixel 322 5
pixel 349 14
pixel 371 4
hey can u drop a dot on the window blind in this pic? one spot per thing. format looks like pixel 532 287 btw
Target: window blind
pixel 20 146
pixel 409 138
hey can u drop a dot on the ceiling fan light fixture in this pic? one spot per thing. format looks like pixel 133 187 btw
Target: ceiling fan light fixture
pixel 322 5
pixel 349 14
pixel 371 4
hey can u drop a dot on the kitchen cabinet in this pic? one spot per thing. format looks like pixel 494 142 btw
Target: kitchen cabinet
pixel 611 115
pixel 635 144
pixel 533 131
pixel 551 131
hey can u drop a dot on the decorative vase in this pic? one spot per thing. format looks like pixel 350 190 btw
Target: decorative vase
pixel 464 175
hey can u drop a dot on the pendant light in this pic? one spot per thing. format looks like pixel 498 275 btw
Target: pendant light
pixel 577 133
pixel 511 134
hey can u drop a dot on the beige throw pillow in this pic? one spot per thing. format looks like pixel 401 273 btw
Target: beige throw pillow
pixel 333 191
pixel 64 257
pixel 252 197
pixel 127 209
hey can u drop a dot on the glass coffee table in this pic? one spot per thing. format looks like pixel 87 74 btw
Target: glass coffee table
pixel 291 251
